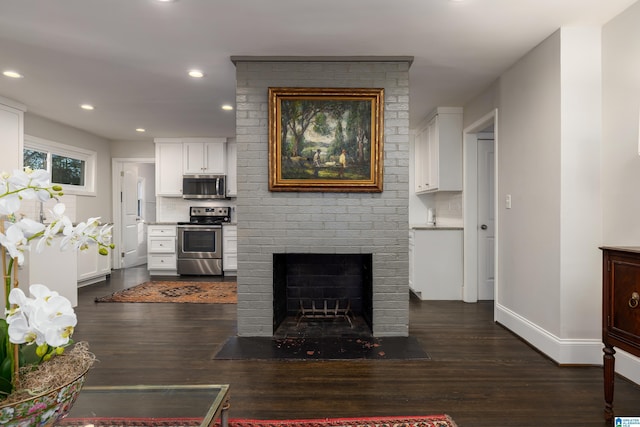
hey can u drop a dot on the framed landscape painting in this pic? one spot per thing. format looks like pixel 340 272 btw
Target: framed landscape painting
pixel 323 139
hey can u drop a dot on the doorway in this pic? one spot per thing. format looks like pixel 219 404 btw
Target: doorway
pixel 480 149
pixel 134 206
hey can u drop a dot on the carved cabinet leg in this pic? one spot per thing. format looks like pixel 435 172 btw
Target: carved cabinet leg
pixel 609 378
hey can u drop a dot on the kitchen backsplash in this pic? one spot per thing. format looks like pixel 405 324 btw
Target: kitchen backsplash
pixel 31 208
pixel 175 209
pixel 448 208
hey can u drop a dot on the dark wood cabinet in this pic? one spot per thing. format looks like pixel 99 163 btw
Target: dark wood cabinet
pixel 620 311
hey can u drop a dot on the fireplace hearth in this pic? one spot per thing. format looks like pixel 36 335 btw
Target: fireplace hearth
pixel 316 295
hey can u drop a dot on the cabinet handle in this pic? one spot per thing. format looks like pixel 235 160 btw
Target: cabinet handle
pixel 633 301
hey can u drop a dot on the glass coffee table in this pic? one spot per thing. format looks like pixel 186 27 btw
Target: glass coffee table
pixel 201 404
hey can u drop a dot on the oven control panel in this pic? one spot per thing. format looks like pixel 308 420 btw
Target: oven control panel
pixel 202 211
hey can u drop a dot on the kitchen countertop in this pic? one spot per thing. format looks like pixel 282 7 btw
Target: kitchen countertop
pixel 434 227
pixel 176 223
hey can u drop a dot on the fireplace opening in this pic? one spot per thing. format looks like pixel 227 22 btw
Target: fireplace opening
pixel 318 295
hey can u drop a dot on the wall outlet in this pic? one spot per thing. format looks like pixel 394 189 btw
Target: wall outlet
pixel 507 201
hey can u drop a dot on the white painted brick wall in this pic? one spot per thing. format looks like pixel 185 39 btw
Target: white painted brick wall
pixel 280 222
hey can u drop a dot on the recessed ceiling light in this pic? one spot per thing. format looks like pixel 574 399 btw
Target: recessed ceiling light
pixel 227 107
pixel 141 130
pixel 12 74
pixel 196 74
pixel 87 107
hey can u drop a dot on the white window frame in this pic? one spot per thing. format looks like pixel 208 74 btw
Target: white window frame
pixel 52 147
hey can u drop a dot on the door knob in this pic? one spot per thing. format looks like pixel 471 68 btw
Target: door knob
pixel 484 226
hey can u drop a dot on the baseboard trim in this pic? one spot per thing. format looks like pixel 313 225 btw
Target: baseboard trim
pixel 566 351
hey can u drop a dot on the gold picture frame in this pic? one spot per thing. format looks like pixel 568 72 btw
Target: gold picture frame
pixel 326 139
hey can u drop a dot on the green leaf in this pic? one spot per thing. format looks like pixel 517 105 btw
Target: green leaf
pixel 5 387
pixel 4 333
pixel 28 355
pixel 5 374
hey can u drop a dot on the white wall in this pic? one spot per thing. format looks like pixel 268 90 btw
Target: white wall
pixel 133 149
pixel 549 277
pixel 529 170
pixel 620 161
pixel 621 105
pixel 580 213
pixel 87 206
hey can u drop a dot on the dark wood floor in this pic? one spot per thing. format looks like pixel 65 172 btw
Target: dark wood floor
pixel 479 373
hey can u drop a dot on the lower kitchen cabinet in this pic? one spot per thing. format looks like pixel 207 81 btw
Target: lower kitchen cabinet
pixel 92 267
pixel 161 244
pixel 230 249
pixel 53 267
pixel 435 263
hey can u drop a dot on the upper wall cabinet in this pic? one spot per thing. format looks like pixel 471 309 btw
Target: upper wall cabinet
pixel 11 134
pixel 204 156
pixel 232 181
pixel 168 167
pixel 438 151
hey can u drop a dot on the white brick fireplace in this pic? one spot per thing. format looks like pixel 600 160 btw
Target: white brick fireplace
pixel 326 223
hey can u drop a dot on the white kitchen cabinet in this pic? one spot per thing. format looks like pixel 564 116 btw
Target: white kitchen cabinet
pixel 54 268
pixel 204 156
pixel 435 263
pixel 11 134
pixel 230 249
pixel 161 244
pixel 438 151
pixel 232 176
pixel 168 167
pixel 92 267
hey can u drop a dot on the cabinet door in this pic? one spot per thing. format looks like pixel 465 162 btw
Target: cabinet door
pixel 432 175
pixel 215 155
pixel 11 135
pixel 426 161
pixel 420 149
pixel 169 169
pixel 232 182
pixel 230 247
pixel 204 158
pixel 193 159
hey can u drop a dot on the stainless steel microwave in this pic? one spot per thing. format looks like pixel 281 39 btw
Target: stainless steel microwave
pixel 204 187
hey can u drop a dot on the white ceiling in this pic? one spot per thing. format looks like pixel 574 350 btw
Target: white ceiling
pixel 130 57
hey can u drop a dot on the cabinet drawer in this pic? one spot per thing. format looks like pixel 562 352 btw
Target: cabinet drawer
pixel 161 230
pixel 230 262
pixel 162 245
pixel 161 262
pixel 625 312
pixel 230 246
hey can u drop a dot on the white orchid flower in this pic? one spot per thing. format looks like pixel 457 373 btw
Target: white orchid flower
pixel 48 318
pixel 30 227
pixel 82 235
pixel 59 222
pixel 9 204
pixel 15 242
pixel 42 292
pixel 104 236
pixel 28 178
pixel 20 332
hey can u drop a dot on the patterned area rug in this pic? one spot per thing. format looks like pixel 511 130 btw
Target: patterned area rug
pixel 183 292
pixel 422 421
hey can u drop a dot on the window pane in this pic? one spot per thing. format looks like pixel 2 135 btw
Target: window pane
pixel 35 159
pixel 67 170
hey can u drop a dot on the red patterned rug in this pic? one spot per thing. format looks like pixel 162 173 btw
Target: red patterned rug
pixel 422 421
pixel 182 292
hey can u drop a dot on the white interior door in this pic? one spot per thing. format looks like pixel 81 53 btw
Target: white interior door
pixel 130 215
pixel 486 217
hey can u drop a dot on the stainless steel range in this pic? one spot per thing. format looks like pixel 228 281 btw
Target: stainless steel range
pixel 200 241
